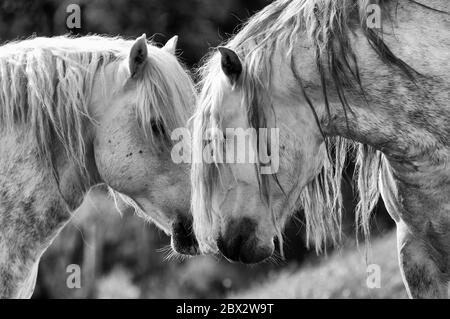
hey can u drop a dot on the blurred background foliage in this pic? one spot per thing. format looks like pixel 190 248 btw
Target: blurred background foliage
pixel 199 24
pixel 122 256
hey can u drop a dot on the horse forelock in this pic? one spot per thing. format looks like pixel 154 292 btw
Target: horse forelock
pixel 203 176
pixel 326 24
pixel 165 93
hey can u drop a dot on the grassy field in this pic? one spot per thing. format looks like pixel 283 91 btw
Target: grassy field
pixel 343 274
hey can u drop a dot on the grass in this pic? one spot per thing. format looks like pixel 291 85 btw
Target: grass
pixel 343 274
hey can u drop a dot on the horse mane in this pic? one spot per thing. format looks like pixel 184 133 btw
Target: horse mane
pixel 327 24
pixel 46 84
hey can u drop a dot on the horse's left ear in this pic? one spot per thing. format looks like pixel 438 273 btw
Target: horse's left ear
pixel 231 64
pixel 138 56
pixel 171 45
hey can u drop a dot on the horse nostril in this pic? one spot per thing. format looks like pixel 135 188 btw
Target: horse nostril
pixel 240 243
pixel 183 238
pixel 180 229
pixel 238 233
pixel 229 250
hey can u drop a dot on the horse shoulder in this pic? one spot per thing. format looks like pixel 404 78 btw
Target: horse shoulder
pixel 417 194
pixel 31 213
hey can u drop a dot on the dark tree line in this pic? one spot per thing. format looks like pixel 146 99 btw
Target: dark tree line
pixel 199 23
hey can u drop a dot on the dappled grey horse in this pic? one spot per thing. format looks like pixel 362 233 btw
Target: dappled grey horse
pixel 75 113
pixel 332 76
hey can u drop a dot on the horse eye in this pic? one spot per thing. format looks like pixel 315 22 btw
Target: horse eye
pixel 157 127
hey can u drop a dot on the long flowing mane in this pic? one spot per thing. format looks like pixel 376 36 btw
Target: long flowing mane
pixel 327 25
pixel 46 84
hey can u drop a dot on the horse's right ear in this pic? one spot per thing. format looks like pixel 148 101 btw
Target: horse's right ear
pixel 138 56
pixel 171 45
pixel 231 64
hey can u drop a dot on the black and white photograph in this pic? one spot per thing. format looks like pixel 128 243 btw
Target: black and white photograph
pixel 241 151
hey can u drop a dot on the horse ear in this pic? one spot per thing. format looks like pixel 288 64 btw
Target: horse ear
pixel 171 45
pixel 138 56
pixel 231 64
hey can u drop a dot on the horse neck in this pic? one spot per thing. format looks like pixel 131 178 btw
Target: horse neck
pixel 401 118
pixel 74 181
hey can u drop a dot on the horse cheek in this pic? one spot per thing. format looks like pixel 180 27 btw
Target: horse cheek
pixel 106 150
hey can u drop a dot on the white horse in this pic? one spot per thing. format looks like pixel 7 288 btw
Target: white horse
pixel 77 112
pixel 330 80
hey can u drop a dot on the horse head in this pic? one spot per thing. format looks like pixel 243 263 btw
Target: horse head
pixel 137 102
